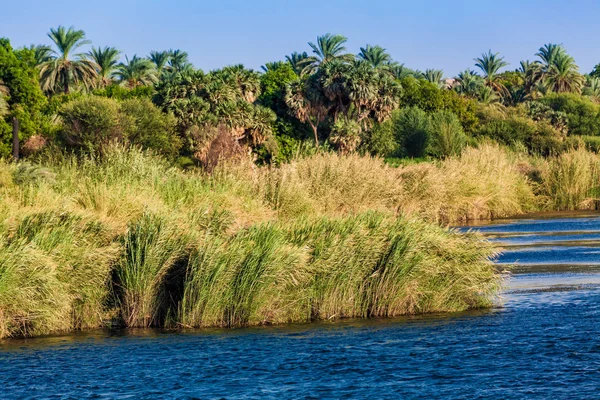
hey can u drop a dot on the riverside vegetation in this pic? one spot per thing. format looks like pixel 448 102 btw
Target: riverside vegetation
pixel 150 193
pixel 129 238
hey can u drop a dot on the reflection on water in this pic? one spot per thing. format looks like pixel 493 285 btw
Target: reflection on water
pixel 542 342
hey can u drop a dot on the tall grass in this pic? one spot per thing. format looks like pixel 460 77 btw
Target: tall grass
pixel 571 181
pixel 129 239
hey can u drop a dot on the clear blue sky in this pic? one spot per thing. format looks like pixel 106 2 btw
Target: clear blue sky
pixel 421 34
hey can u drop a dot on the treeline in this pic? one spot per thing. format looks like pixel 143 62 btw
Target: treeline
pixel 366 102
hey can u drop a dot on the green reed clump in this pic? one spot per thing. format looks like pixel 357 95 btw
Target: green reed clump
pixel 151 248
pixel 87 241
pixel 571 181
pixel 367 265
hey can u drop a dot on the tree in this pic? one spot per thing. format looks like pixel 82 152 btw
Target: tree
pixel 60 72
pixel 375 55
pixel 20 95
pixel 435 76
pixel 273 83
pixel 490 64
pixel 329 48
pixel 136 72
pixel 160 59
pixel 178 60
pixel 563 76
pixel 42 53
pixel 468 83
pixel 300 62
pixel 307 102
pixel 106 61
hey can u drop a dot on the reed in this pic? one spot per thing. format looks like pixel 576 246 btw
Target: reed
pixel 129 239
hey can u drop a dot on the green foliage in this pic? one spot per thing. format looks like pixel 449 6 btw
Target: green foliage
pixel 412 129
pixel 583 115
pixel 146 126
pixel 24 98
pixel 381 139
pixel 273 83
pixel 89 124
pixel 447 135
pixel 119 92
pixel 430 98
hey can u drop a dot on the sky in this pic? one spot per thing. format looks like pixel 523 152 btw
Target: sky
pixel 445 35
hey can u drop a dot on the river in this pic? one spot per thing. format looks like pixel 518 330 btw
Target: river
pixel 541 341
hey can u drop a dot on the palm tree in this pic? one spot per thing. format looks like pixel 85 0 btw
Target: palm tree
pixel 178 60
pixel 41 53
pixel 272 66
pixel 549 52
pixel 160 59
pixel 307 102
pixel 490 63
pixel 136 72
pixel 60 72
pixel 468 83
pixel 563 75
pixel 329 48
pixel 375 55
pixel 106 61
pixel 434 76
pixel 592 88
pixel 558 69
pixel 300 63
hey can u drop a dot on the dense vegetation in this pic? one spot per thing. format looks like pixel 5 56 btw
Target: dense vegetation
pixel 82 101
pixel 284 209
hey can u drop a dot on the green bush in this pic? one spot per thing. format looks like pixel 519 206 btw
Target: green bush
pixel 412 129
pixel 583 115
pixel 508 131
pixel 447 135
pixel 431 98
pixel 90 123
pixel 380 140
pixel 146 126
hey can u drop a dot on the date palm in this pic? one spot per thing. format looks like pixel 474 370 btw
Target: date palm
pixel 136 72
pixel 178 60
pixel 435 76
pixel 592 88
pixel 61 71
pixel 375 55
pixel 558 69
pixel 563 75
pixel 300 62
pixel 329 48
pixel 41 53
pixel 106 61
pixel 468 83
pixel 490 64
pixel 160 59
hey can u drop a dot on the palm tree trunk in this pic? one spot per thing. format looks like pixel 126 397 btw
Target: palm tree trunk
pixel 15 138
pixel 314 128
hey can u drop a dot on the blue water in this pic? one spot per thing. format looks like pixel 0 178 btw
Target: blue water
pixel 541 342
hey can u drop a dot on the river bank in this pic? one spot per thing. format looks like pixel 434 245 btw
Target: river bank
pixel 132 241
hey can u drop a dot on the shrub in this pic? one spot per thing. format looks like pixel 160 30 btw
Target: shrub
pixel 583 115
pixel 89 124
pixel 412 129
pixel 380 140
pixel 146 126
pixel 447 135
